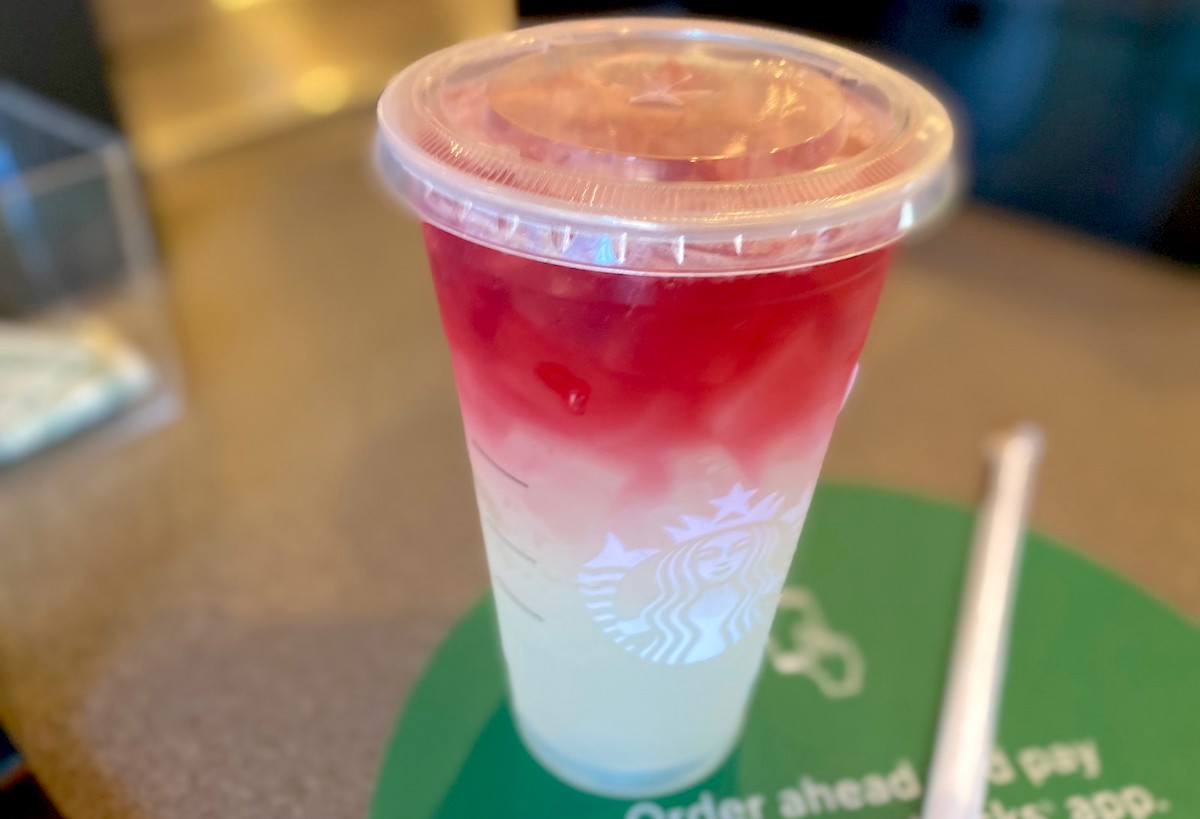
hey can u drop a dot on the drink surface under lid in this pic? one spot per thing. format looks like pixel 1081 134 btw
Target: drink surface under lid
pixel 667 110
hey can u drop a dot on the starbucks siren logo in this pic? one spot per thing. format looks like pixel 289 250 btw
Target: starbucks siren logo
pixel 700 595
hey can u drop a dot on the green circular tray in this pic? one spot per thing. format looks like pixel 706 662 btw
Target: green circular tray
pixel 1101 714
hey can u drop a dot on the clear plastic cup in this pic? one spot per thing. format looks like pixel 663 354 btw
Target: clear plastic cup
pixel 657 245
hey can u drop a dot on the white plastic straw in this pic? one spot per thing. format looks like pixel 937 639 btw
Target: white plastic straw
pixel 957 783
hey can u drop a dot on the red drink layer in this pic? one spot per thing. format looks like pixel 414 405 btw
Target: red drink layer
pixel 638 369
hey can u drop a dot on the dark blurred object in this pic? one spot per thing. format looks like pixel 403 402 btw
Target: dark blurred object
pixel 25 800
pixel 65 193
pixel 1179 237
pixel 51 47
pixel 1086 111
pixel 20 796
pixel 10 764
pixel 857 20
pixel 1083 111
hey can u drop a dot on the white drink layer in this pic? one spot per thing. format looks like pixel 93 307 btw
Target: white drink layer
pixel 634 628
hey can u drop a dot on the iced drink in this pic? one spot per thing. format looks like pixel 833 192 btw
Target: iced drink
pixel 657 246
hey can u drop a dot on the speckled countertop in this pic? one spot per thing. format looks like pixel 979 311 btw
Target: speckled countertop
pixel 221 619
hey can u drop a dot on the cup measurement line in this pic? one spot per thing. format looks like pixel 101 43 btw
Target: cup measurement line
pixel 508 542
pixel 475 445
pixel 500 584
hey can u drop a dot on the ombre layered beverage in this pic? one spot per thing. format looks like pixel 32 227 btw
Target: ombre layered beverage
pixel 657 247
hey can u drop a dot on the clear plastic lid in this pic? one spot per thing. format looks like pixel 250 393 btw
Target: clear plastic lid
pixel 665 146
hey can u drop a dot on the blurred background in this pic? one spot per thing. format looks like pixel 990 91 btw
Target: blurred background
pixel 230 137
pixel 1086 112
